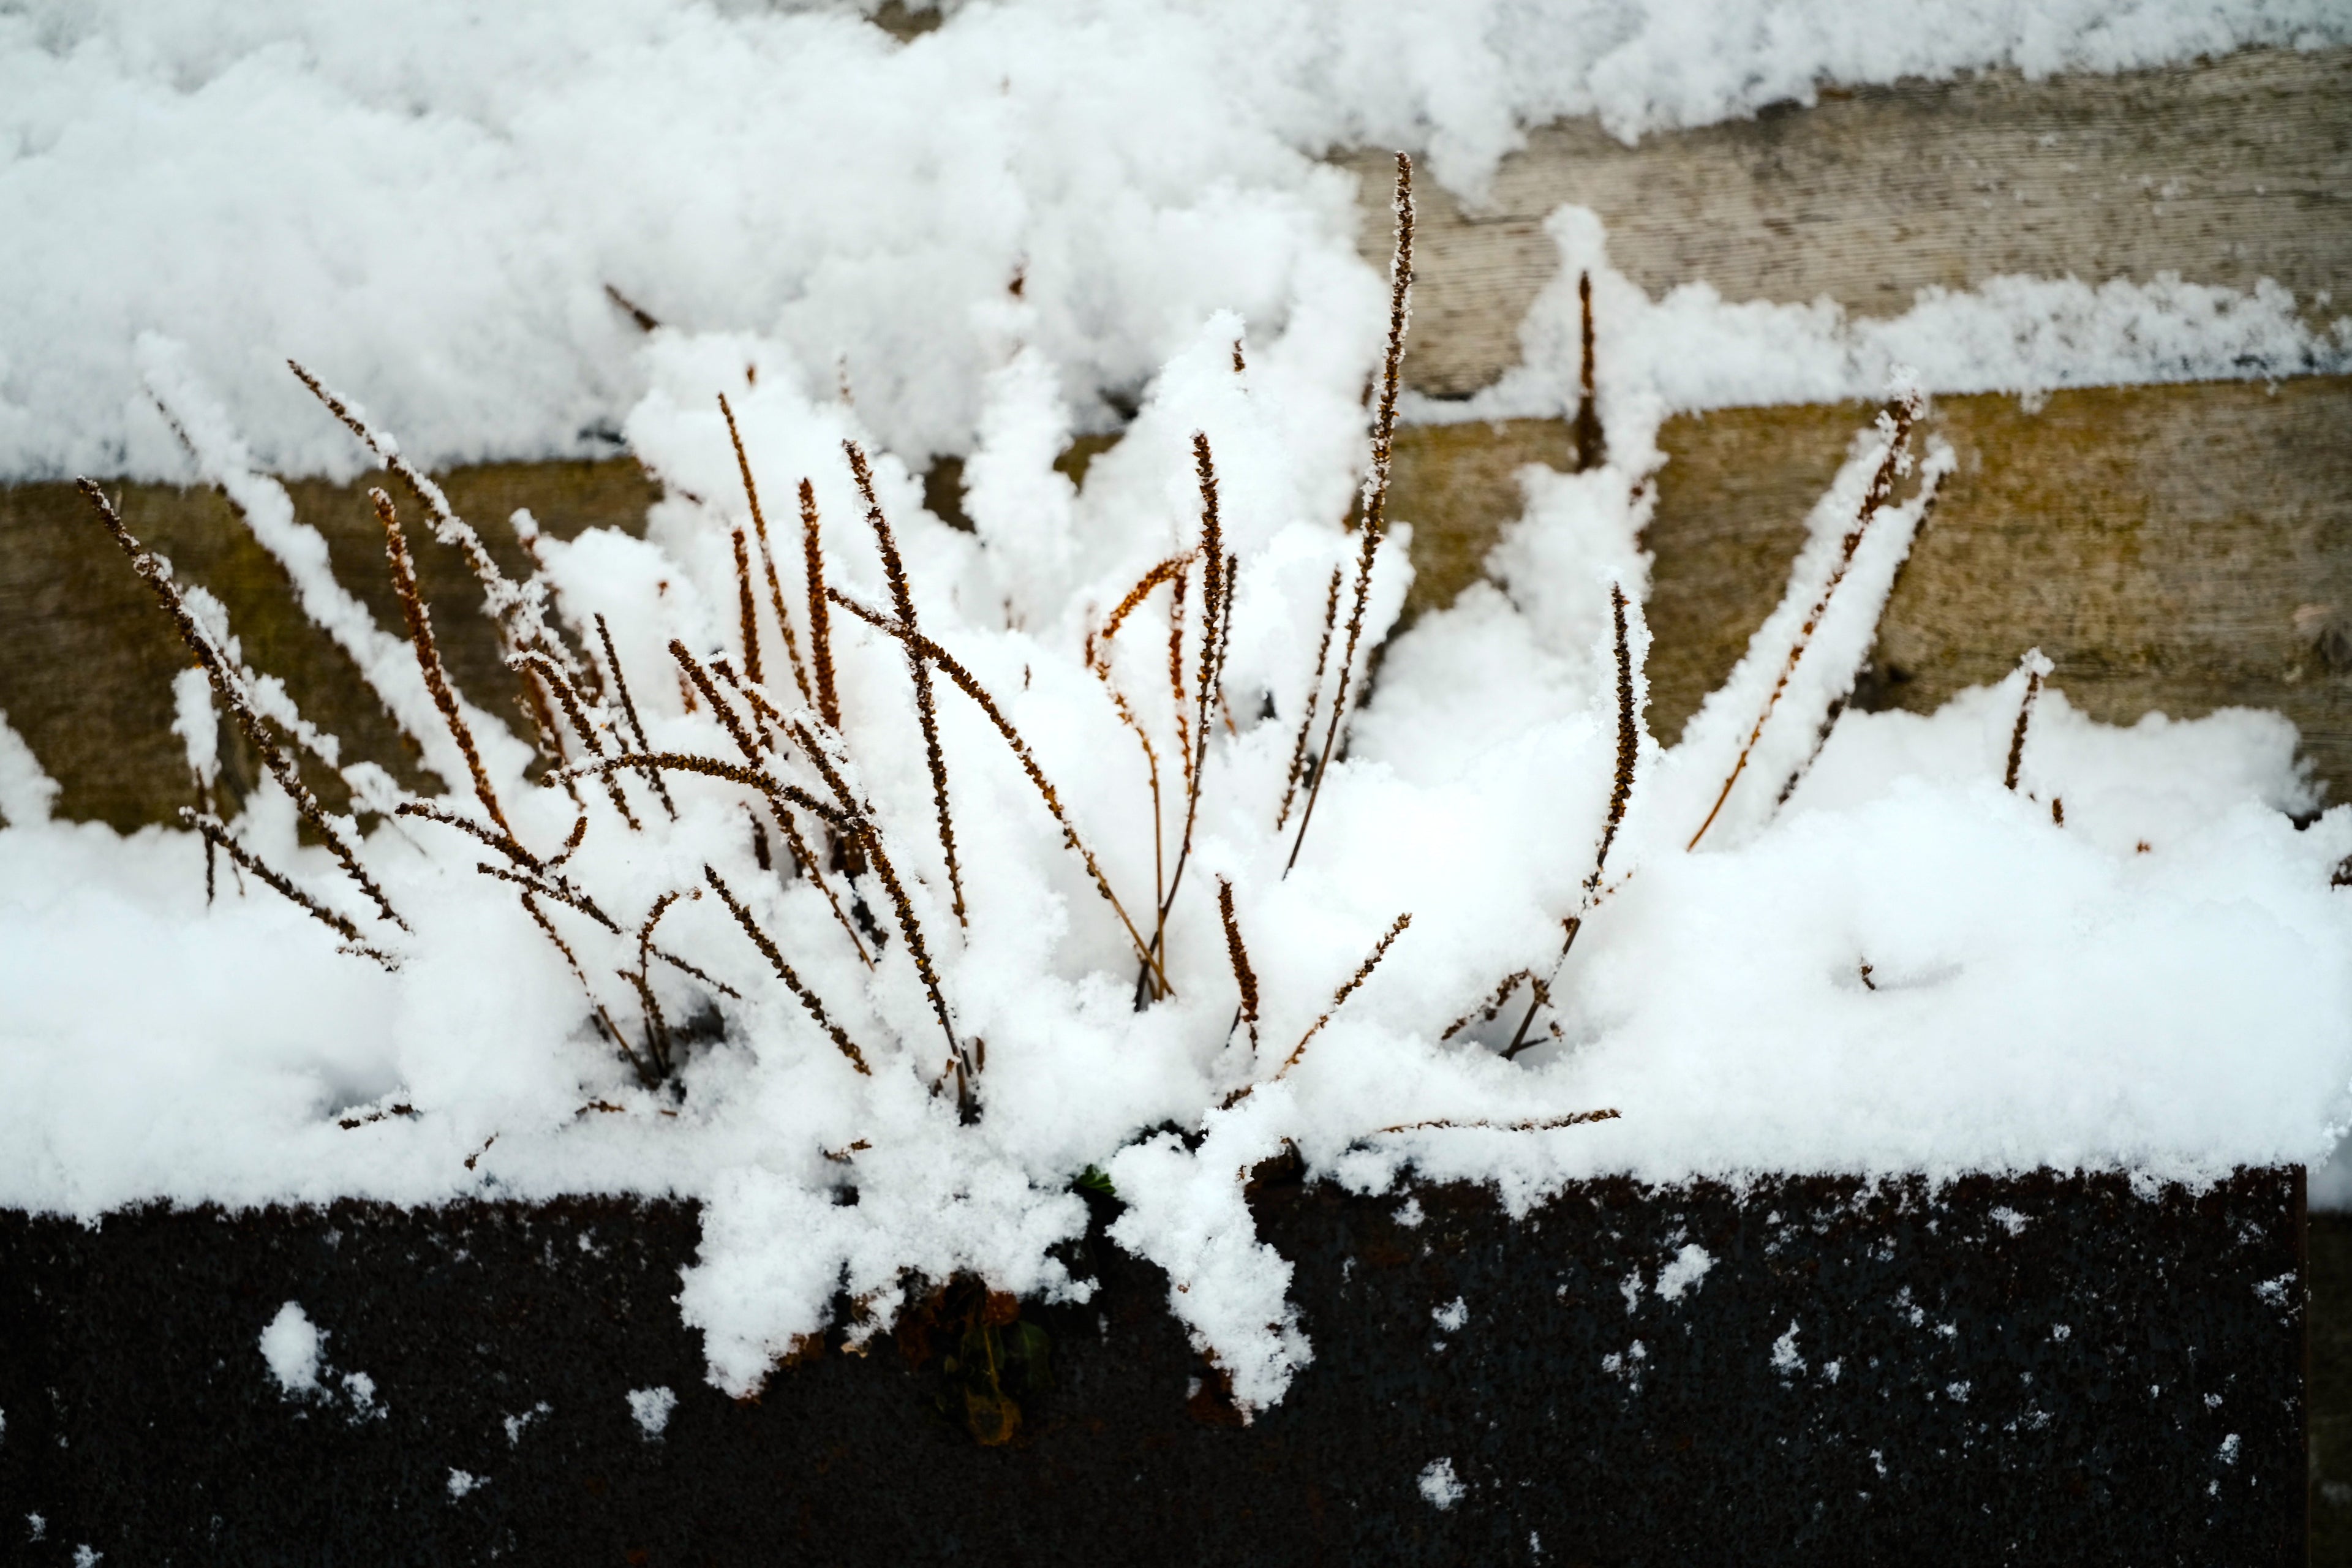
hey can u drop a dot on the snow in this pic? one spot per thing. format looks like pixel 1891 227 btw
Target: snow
pixel 1684 1272
pixel 434 206
pixel 1438 1486
pixel 291 1344
pixel 1865 953
pixel 650 1408
pixel 464 1481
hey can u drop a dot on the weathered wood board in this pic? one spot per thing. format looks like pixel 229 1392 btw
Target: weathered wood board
pixel 86 678
pixel 2224 172
pixel 2174 548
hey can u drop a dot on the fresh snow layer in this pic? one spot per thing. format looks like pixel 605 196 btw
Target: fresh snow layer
pixel 1876 959
pixel 292 1345
pixel 430 205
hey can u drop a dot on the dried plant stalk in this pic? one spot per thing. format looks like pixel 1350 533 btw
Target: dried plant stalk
pixel 1591 450
pixel 2035 665
pixel 768 565
pixel 1485 1011
pixel 760 940
pixel 512 609
pixel 561 891
pixel 595 1006
pixel 1376 485
pixel 894 571
pixel 216 833
pixel 1898 418
pixel 964 680
pixel 1339 998
pixel 428 655
pixel 575 713
pixel 1544 1124
pixel 629 711
pixel 228 682
pixel 746 608
pixel 1314 693
pixel 1238 956
pixel 828 699
pixel 1629 750
pixel 716 768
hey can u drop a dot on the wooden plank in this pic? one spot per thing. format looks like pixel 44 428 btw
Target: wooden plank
pixel 90 658
pixel 2223 172
pixel 2175 548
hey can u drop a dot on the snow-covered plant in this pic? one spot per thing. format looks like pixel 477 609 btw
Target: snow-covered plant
pixel 872 891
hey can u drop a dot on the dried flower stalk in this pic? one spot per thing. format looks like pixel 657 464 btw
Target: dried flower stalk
pixel 964 680
pixel 428 655
pixel 1897 420
pixel 1376 484
pixel 828 699
pixel 1237 954
pixel 1339 998
pixel 2033 664
pixel 215 832
pixel 767 947
pixel 902 601
pixel 1314 693
pixel 1544 1124
pixel 629 711
pixel 1621 791
pixel 230 683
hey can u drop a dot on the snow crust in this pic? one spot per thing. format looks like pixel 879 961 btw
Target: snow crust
pixel 432 204
pixel 1866 954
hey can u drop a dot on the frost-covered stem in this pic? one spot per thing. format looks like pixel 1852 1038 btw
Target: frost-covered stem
pixel 1897 421
pixel 716 768
pixel 555 888
pixel 1376 487
pixel 629 711
pixel 747 609
pixel 970 687
pixel 215 832
pixel 767 564
pixel 902 601
pixel 512 609
pixel 1629 750
pixel 1591 449
pixel 775 958
pixel 1217 620
pixel 428 655
pixel 230 684
pixel 1339 998
pixel 1245 977
pixel 1314 694
pixel 576 714
pixel 2035 667
pixel 595 1005
pixel 828 699
pixel 1543 1124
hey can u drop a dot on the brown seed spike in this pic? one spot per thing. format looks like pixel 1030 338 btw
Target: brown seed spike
pixel 629 711
pixel 1897 420
pixel 229 684
pixel 1238 956
pixel 215 832
pixel 428 655
pixel 1591 448
pixel 2032 666
pixel 1339 998
pixel 747 609
pixel 767 947
pixel 1376 485
pixel 828 701
pixel 1314 694
pixel 903 602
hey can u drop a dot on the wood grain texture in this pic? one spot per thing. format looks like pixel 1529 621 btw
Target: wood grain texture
pixel 2223 172
pixel 2174 548
pixel 87 677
